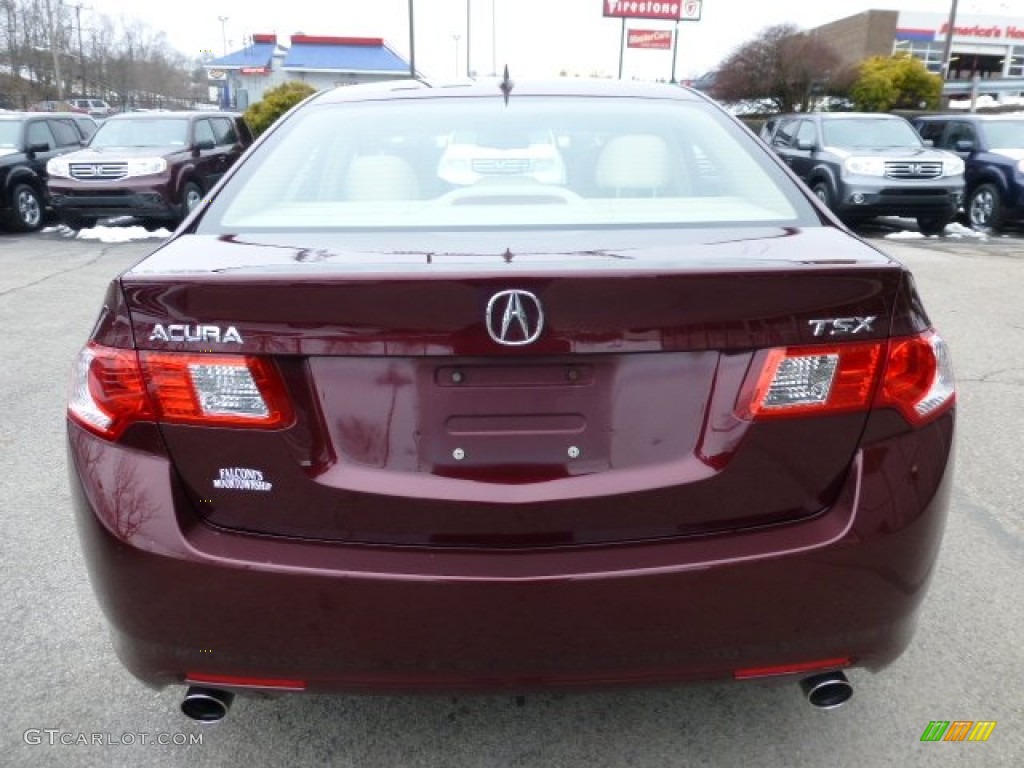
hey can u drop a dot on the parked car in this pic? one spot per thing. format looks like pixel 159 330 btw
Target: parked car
pixel 53 105
pixel 97 108
pixel 992 147
pixel 155 166
pixel 27 141
pixel 663 419
pixel 863 165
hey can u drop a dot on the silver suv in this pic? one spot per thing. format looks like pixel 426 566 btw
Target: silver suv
pixel 863 165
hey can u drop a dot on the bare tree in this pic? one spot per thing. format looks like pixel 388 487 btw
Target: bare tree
pixel 39 40
pixel 782 65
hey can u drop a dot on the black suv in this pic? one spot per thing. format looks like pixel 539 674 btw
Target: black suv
pixel 992 147
pixel 27 141
pixel 156 166
pixel 863 165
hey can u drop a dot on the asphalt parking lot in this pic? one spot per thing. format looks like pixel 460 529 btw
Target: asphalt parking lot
pixel 61 682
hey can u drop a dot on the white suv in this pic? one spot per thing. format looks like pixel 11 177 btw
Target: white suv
pixel 95 107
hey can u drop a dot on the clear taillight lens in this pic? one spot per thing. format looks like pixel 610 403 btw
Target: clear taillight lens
pixel 216 390
pixel 112 388
pixel 813 380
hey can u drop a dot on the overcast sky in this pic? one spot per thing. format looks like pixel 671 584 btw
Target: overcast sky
pixel 536 38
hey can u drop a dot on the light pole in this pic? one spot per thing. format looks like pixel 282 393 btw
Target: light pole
pixel 456 37
pixel 223 33
pixel 469 29
pixel 947 52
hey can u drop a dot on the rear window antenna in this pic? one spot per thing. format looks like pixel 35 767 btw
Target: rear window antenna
pixel 506 85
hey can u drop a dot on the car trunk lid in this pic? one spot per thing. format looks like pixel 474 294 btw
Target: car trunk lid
pixel 416 425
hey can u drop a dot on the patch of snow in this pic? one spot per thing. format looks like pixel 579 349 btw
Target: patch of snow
pixel 907 235
pixel 987 101
pixel 957 229
pixel 121 234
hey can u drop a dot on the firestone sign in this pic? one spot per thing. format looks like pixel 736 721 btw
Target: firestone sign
pixel 670 10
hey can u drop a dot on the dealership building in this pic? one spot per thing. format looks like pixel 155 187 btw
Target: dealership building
pixel 243 76
pixel 991 47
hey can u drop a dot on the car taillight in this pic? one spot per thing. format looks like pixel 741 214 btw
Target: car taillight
pixel 918 378
pixel 107 392
pixel 216 390
pixel 111 388
pixel 912 374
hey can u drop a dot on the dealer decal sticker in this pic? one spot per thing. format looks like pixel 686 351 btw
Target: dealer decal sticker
pixel 241 479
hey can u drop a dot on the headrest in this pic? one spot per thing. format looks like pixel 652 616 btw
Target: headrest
pixel 634 162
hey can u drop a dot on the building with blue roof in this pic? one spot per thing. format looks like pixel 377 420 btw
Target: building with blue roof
pixel 323 62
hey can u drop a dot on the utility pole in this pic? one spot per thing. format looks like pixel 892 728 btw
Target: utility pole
pixel 412 42
pixel 81 55
pixel 223 33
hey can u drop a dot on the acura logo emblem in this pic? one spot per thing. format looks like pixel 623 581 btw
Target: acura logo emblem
pixel 514 318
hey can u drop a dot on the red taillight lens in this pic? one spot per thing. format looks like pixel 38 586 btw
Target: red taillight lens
pixel 918 378
pixel 912 374
pixel 107 392
pixel 111 388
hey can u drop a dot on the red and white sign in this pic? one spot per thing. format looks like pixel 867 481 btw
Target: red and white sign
pixel 649 38
pixel 691 10
pixel 669 10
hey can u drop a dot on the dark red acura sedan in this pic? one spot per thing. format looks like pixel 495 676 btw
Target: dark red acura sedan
pixel 505 386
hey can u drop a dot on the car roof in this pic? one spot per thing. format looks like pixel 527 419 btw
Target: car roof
pixel 974 117
pixel 426 89
pixel 23 115
pixel 842 115
pixel 170 115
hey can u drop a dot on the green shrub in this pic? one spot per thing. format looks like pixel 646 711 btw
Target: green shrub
pixel 895 82
pixel 276 101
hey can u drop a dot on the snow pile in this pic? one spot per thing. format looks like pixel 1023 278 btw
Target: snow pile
pixel 122 234
pixel 110 234
pixel 907 235
pixel 960 231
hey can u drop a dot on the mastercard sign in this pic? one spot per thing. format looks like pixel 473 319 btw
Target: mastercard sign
pixel 649 38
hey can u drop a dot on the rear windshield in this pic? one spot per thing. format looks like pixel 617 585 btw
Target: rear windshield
pixel 869 133
pixel 475 162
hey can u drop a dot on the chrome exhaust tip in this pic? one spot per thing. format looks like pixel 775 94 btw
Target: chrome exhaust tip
pixel 206 705
pixel 828 690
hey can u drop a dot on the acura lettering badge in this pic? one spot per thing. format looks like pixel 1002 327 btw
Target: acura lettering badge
pixel 514 318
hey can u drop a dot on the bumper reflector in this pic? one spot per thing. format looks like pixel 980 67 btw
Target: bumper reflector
pixel 240 681
pixel 790 669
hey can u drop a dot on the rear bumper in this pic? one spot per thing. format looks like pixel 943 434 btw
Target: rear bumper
pixel 185 599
